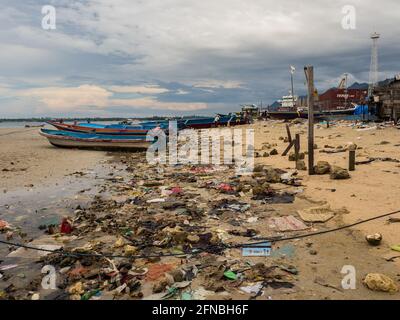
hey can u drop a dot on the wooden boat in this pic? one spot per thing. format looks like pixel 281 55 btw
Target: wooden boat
pixel 68 139
pixel 319 115
pixel 111 129
pixel 209 122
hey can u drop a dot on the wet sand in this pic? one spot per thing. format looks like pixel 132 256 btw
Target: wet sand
pixel 27 159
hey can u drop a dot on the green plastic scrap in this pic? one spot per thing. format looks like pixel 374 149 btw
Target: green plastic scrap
pixel 171 292
pixel 186 296
pixel 90 294
pixel 230 275
pixel 395 247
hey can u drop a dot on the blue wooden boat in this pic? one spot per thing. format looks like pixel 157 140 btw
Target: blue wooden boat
pixel 67 139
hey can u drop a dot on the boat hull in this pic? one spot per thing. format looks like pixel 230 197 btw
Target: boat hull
pixel 91 141
pixel 108 131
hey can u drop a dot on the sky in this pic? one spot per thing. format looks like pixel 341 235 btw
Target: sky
pixel 134 58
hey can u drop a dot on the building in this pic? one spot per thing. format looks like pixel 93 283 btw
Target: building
pixel 387 99
pixel 340 98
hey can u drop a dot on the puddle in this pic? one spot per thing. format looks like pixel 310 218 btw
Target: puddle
pixel 27 209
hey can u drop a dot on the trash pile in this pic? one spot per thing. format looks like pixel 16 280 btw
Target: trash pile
pixel 169 233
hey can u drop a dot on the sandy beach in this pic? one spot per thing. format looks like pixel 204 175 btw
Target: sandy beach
pixel 28 159
pixel 143 209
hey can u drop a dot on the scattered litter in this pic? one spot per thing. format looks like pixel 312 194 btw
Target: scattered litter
pixel 286 251
pixel 230 275
pixel 8 267
pixel 287 223
pixel 316 214
pixel 395 247
pixel 257 250
pixel 253 289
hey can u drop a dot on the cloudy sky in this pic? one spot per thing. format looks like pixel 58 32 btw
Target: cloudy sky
pixel 166 57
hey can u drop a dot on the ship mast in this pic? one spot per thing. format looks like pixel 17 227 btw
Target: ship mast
pixel 292 70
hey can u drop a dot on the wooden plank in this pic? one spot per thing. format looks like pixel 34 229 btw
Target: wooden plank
pixel 288 133
pixel 309 71
pixel 288 148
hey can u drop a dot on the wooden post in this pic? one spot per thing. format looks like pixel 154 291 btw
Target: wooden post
pixel 309 71
pixel 327 123
pixel 352 159
pixel 289 135
pixel 297 147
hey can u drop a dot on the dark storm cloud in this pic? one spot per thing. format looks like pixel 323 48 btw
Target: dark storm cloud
pixel 155 57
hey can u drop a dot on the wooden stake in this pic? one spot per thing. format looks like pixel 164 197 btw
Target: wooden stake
pixel 291 144
pixel 352 160
pixel 297 147
pixel 289 135
pixel 309 71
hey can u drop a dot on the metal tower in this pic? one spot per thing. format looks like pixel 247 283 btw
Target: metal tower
pixel 373 71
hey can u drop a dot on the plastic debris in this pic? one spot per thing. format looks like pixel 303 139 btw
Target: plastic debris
pixel 287 223
pixel 395 247
pixel 230 275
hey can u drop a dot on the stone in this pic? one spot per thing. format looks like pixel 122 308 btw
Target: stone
pixel 339 173
pixel 272 175
pixel 177 274
pixel 192 238
pixel 374 239
pixel 380 282
pixel 160 285
pixel 273 152
pixel 292 156
pixel 301 165
pixel 322 167
pixel 129 250
pixel 265 154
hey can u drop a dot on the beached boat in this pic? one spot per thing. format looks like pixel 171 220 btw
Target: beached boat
pixel 108 129
pixel 208 122
pixel 288 115
pixel 68 139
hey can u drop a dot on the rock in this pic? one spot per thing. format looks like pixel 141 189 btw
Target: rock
pixel 339 173
pixel 129 250
pixel 322 167
pixel 76 289
pixel 35 296
pixel 272 175
pixel 258 168
pixel 380 282
pixel 193 238
pixel 177 274
pixel 292 156
pixel 119 243
pixel 265 154
pixel 273 152
pixel 160 285
pixel 374 239
pixel 313 252
pixel 301 165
